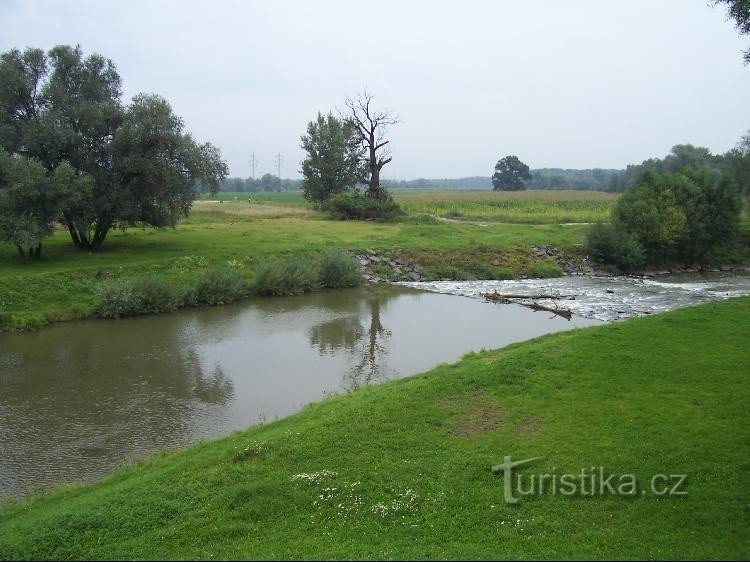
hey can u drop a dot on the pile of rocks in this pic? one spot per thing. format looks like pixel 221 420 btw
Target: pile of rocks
pixel 378 268
pixel 571 265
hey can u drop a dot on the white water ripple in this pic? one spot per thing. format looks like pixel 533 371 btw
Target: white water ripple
pixel 610 298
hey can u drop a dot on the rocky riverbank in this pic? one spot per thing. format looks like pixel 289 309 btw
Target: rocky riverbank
pixel 379 266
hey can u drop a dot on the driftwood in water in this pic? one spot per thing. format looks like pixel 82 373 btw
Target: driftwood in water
pixel 500 296
pixel 507 299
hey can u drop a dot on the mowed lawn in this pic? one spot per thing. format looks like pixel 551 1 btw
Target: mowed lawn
pixel 403 470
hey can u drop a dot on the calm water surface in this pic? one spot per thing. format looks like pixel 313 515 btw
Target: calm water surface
pixel 79 399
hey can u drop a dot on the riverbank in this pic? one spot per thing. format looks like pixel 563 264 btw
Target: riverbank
pixel 362 476
pixel 65 283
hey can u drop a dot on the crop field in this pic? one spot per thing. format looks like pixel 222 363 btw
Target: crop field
pixel 530 207
pixel 534 207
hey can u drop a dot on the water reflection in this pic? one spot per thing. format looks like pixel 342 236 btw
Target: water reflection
pixel 104 395
pixel 365 339
pixel 79 399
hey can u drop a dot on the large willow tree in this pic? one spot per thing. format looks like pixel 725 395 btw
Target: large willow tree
pixel 142 166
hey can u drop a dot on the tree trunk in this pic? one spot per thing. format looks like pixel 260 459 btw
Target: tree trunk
pixel 37 251
pixel 99 235
pixel 373 189
pixel 21 252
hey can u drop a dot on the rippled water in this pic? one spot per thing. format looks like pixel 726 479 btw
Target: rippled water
pixel 611 298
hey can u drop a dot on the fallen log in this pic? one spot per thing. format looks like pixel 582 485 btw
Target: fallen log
pixel 507 299
pixel 501 296
pixel 564 312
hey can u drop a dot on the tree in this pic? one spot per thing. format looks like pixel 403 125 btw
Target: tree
pixel 510 173
pixel 31 200
pixel 738 164
pixel 688 216
pixel 66 108
pixel 270 182
pixel 739 11
pixel 157 165
pixel 370 127
pixel 334 158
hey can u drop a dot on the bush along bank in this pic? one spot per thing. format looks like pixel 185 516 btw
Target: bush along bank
pixel 291 275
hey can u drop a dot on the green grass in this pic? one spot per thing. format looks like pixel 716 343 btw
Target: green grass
pixel 407 463
pixel 64 284
pixel 533 207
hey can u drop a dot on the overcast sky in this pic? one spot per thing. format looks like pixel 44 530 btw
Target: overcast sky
pixel 573 84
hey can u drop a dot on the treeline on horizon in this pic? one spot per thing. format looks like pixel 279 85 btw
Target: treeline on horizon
pixel 736 162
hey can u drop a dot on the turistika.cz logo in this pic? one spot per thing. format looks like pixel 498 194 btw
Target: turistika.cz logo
pixel 592 481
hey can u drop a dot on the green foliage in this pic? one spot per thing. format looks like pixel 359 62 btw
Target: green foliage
pixel 31 200
pixel 738 164
pixel 156 295
pixel 358 206
pixel 739 11
pixel 292 275
pixel 544 270
pixel 510 174
pixel 146 295
pixel 119 299
pixel 219 285
pixel 333 161
pixel 505 273
pixel 141 165
pixel 609 245
pixel 689 217
pixel 338 270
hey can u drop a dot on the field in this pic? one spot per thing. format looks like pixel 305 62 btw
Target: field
pixel 474 229
pixel 64 284
pixel 529 207
pixel 362 476
pixel 532 207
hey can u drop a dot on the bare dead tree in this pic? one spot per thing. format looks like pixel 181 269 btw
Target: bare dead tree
pixel 370 127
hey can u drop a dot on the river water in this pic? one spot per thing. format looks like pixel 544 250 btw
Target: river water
pixel 79 399
pixel 609 298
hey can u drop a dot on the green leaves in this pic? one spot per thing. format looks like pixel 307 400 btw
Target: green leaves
pixel 333 161
pixel 139 163
pixel 510 174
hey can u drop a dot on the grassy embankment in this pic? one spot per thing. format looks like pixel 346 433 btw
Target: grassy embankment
pixel 363 476
pixel 64 284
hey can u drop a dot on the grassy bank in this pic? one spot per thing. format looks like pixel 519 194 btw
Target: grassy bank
pixel 64 284
pixel 403 469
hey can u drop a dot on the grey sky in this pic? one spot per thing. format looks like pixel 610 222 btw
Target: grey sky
pixel 574 84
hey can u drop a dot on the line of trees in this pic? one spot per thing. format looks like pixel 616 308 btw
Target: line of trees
pixel 72 152
pixel 267 182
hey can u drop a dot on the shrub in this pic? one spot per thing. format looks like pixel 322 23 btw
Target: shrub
pixel 217 286
pixel 544 270
pixel 155 295
pixel 504 273
pixel 355 205
pixel 614 246
pixel 288 276
pixel 339 270
pixel 118 299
